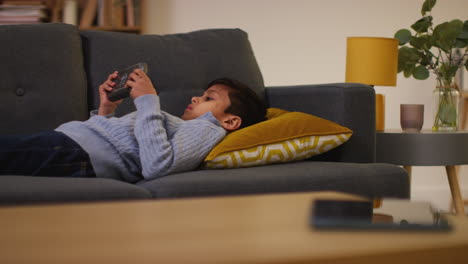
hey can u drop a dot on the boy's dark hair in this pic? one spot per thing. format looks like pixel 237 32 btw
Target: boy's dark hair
pixel 245 103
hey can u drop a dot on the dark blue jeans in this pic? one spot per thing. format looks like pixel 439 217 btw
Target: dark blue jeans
pixel 48 153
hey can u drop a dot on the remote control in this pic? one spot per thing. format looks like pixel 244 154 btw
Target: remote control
pixel 121 91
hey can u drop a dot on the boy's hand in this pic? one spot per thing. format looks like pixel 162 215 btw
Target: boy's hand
pixel 140 84
pixel 107 107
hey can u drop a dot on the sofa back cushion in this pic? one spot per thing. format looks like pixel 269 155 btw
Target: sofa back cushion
pixel 179 65
pixel 42 79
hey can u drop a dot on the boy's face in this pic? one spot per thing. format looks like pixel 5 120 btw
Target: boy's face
pixel 215 100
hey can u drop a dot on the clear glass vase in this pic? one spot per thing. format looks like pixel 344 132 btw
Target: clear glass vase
pixel 446 104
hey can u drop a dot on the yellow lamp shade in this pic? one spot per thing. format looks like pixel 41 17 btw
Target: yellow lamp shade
pixel 372 61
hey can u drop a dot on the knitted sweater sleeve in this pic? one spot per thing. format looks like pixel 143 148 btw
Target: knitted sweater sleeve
pixel 160 155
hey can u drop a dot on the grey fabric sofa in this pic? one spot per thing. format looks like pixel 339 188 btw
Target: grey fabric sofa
pixel 49 74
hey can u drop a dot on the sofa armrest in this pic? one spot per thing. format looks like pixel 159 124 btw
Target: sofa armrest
pixel 349 104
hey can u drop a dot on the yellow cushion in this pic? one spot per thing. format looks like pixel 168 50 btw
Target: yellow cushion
pixel 284 136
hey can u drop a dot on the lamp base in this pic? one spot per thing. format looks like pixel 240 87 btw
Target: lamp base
pixel 379 112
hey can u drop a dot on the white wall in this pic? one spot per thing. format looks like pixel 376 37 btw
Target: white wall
pixel 304 42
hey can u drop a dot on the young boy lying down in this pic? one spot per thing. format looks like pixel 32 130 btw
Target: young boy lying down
pixel 144 144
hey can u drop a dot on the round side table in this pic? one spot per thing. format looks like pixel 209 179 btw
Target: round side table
pixel 426 148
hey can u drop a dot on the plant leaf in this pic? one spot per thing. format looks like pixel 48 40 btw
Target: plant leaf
pixel 427 6
pixel 447 113
pixel 461 43
pixel 466 65
pixel 464 33
pixel 426 59
pixel 408 72
pixel 403 36
pixel 423 42
pixel 445 34
pixel 407 59
pixel 422 25
pixel 420 73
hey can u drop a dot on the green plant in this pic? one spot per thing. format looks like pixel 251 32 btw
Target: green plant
pixel 433 48
pixel 440 49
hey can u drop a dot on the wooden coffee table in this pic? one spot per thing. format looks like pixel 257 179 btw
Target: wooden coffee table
pixel 242 229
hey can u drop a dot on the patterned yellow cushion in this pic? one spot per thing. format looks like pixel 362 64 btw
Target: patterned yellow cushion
pixel 285 136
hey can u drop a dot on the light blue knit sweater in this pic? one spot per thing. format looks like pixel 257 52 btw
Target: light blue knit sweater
pixel 145 144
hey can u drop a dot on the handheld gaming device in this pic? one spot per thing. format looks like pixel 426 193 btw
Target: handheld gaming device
pixel 121 91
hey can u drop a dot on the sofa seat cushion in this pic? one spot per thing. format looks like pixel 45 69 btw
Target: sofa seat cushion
pixel 368 179
pixel 179 65
pixel 42 78
pixel 29 189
